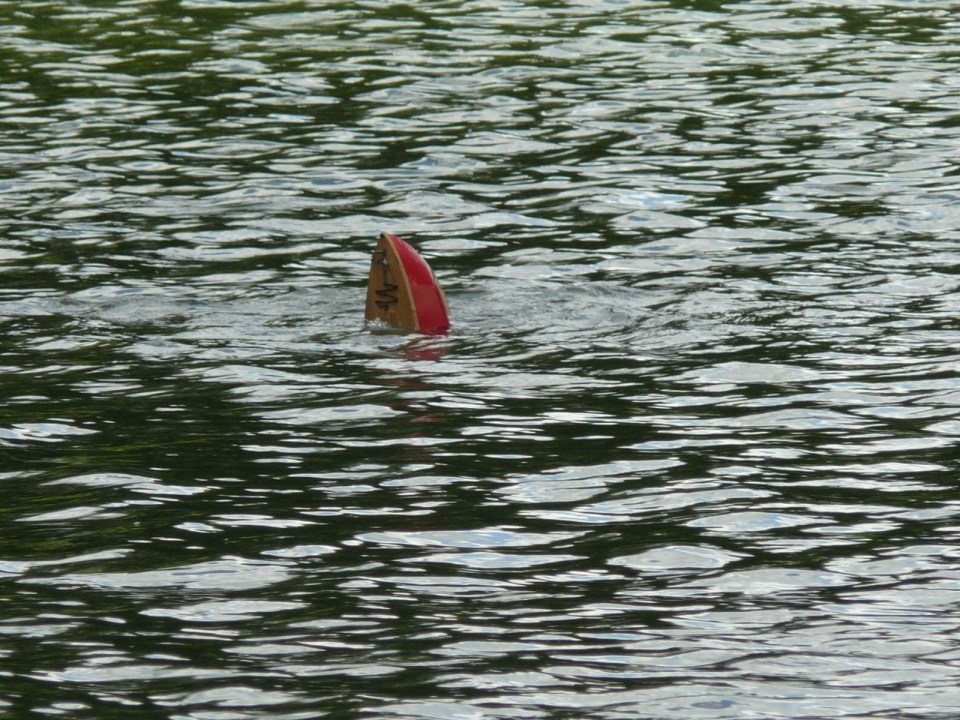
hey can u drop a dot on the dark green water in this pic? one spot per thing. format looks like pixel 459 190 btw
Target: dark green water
pixel 689 452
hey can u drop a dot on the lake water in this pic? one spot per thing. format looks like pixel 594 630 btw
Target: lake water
pixel 690 450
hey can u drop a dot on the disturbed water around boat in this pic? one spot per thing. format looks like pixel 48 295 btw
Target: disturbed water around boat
pixel 689 450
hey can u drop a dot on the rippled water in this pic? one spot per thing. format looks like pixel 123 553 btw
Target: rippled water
pixel 689 452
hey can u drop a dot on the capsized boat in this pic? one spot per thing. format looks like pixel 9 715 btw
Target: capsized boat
pixel 403 291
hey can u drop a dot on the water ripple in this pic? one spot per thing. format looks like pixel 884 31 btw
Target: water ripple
pixel 687 452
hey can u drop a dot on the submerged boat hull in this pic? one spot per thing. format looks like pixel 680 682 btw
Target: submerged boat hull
pixel 402 290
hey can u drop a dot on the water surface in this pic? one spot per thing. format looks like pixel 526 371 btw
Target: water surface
pixel 689 451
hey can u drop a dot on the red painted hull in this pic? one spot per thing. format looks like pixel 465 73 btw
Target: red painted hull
pixel 402 290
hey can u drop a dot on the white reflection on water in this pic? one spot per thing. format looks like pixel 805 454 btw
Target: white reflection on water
pixel 227 574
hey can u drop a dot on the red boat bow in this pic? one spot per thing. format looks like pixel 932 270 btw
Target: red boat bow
pixel 402 290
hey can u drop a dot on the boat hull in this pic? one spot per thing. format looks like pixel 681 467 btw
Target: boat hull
pixel 402 290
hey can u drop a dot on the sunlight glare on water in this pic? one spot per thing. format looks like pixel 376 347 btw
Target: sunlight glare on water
pixel 688 452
